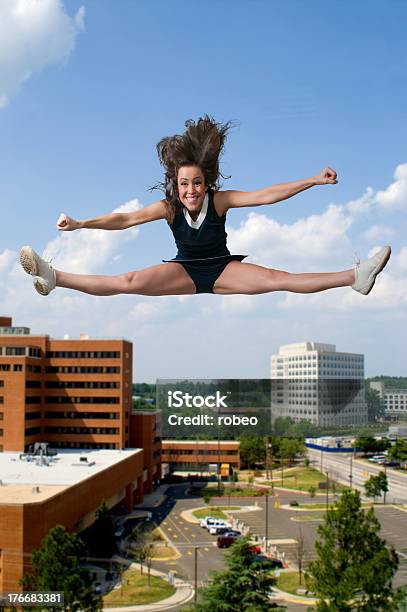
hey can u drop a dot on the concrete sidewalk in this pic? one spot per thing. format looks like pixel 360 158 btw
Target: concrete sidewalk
pixel 154 499
pixel 184 593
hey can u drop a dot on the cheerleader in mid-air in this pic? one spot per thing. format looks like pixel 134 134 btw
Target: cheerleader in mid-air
pixel 195 209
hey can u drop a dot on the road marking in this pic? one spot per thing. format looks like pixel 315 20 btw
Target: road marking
pixel 206 548
pixel 184 535
pixel 189 552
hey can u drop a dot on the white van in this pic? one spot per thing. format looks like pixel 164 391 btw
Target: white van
pixel 204 522
pixel 378 458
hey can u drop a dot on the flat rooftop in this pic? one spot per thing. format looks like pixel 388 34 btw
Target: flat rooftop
pixel 201 442
pixel 32 481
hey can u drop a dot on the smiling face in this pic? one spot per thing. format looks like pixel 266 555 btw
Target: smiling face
pixel 191 189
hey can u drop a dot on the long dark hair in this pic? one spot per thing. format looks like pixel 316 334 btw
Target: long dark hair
pixel 200 145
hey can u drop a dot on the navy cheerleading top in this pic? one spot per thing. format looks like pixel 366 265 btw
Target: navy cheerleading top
pixel 202 239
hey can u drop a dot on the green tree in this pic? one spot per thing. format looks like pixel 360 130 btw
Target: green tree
pixel 398 452
pixel 57 566
pixel 244 586
pixel 252 450
pixel 373 487
pixel 375 405
pixel 354 568
pixel 143 547
pixel 384 484
pixel 289 448
pixel 368 444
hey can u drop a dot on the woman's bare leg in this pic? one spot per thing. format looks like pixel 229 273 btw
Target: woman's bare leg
pixel 250 279
pixel 164 279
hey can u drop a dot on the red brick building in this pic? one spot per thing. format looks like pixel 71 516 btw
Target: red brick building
pixel 145 433
pixel 71 393
pixel 198 455
pixel 34 497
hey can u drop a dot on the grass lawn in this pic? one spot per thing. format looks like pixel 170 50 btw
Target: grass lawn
pixel 136 590
pixel 235 492
pixel 318 506
pixel 161 551
pixel 215 511
pixel 303 518
pixel 321 506
pixel 300 478
pixel 288 582
pixel 246 475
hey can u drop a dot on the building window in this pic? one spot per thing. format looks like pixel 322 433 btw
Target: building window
pixel 31 431
pixel 83 354
pixel 15 350
pixel 34 399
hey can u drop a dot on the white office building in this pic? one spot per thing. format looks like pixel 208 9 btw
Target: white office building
pixel 395 400
pixel 313 381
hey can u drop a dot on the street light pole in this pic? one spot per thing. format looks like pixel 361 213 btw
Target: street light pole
pixel 196 574
pixel 351 472
pixel 267 523
pixel 269 458
pixel 327 489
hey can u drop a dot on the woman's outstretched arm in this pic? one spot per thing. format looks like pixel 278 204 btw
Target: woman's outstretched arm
pixel 270 195
pixel 115 221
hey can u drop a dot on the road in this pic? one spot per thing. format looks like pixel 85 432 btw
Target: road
pixel 347 469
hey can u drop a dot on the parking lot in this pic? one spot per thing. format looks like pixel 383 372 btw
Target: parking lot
pixel 185 537
pixel 285 527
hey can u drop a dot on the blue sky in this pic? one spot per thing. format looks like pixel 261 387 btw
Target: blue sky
pixel 88 88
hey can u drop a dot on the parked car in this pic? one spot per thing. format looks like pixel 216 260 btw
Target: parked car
pixel 212 527
pixel 255 549
pixel 391 463
pixel 224 530
pixel 378 458
pixel 226 540
pixel 276 563
pixel 203 522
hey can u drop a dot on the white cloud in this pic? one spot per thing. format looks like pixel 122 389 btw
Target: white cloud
pixel 87 251
pixel 362 204
pixel 80 19
pixel 376 232
pixel 6 259
pixel 33 34
pixel 395 195
pixel 308 240
pixel 388 294
pixel 237 304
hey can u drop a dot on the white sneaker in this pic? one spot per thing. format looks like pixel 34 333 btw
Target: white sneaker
pixel 41 270
pixel 366 272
